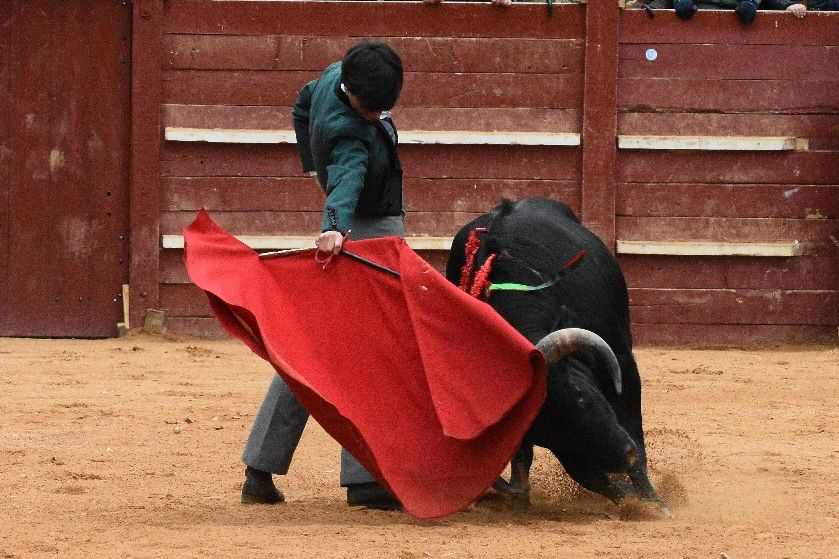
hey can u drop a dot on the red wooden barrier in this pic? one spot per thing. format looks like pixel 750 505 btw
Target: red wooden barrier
pixel 609 91
pixel 585 70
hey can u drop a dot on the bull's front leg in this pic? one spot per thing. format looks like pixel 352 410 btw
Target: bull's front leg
pixel 644 488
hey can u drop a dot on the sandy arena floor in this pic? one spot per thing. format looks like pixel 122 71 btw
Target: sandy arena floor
pixel 130 448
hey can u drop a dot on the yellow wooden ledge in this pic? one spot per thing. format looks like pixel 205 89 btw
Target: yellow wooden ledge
pixel 714 143
pixel 696 248
pixel 285 242
pixel 427 137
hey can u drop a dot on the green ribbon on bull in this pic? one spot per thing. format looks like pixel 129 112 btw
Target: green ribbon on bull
pixel 519 286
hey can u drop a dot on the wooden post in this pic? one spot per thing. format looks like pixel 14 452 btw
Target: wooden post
pixel 146 95
pixel 600 118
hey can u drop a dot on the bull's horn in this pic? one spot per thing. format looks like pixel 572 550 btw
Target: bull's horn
pixel 560 343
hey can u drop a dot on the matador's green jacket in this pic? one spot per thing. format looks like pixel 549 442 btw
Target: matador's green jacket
pixel 356 160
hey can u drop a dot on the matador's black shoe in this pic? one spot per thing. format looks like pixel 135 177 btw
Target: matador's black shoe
pixel 259 488
pixel 371 496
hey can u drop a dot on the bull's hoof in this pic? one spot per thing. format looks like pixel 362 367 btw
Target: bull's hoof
pixel 643 509
pixel 664 509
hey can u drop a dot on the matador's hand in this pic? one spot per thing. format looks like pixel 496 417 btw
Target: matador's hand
pixel 330 242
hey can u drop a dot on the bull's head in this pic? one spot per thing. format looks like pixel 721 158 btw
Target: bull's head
pixel 589 433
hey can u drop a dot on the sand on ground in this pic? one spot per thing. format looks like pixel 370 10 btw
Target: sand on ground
pixel 131 447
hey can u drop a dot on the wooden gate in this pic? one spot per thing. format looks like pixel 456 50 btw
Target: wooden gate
pixel 64 137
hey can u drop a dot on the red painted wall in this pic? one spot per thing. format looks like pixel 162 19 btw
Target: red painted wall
pixel 219 64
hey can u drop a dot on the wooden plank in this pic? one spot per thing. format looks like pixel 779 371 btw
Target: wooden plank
pixel 172 268
pixel 728 200
pixel 99 37
pixel 793 168
pixel 715 26
pixel 419 54
pixel 686 335
pixel 145 161
pixel 387 19
pixel 728 61
pixel 754 96
pixel 188 312
pixel 600 119
pixel 290 242
pixel 481 195
pixel 184 300
pixel 64 157
pixel 256 242
pixel 801 273
pixel 422 137
pixel 821 131
pixel 515 119
pixel 731 335
pixel 730 306
pixel 202 327
pixel 229 135
pixel 8 149
pixel 203 160
pixel 24 153
pixel 304 194
pixel 713 143
pixel 227 116
pixel 709 248
pixel 235 87
pixel 481 137
pixel 487 162
pixel 248 223
pixel 721 272
pixel 241 193
pixel 817 237
pixel 308 223
pixel 432 161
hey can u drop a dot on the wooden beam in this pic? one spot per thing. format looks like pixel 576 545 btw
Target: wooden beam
pixel 287 242
pixel 229 135
pixel 714 143
pixel 146 120
pixel 600 118
pixel 691 248
pixel 446 137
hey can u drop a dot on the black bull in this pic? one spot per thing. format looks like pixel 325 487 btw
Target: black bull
pixel 590 421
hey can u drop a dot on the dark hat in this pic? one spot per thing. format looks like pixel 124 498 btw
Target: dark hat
pixel 685 9
pixel 746 11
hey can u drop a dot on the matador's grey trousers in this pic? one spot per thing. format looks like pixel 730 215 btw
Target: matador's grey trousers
pixel 279 424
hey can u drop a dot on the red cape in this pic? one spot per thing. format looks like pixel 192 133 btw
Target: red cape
pixel 428 388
